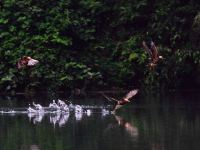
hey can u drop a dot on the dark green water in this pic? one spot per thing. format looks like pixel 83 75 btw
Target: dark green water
pixel 156 122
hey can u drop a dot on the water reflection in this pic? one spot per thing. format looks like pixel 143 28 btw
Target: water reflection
pixel 104 112
pixel 36 117
pixel 60 117
pixel 58 112
pixel 78 116
pixel 130 128
pixel 121 133
pixel 30 147
pixel 156 123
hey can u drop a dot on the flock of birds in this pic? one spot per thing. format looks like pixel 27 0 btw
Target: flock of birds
pixel 151 49
pixel 60 106
pixel 58 112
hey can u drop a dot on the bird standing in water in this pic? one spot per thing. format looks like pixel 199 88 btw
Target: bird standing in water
pixel 121 102
pixel 37 106
pixel 152 50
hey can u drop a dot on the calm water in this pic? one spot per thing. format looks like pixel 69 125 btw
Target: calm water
pixel 157 122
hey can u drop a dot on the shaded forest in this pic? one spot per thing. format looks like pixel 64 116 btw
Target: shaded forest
pixel 97 44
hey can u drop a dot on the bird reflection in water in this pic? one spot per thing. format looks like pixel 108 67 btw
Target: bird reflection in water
pixel 157 146
pixel 60 112
pixel 36 117
pixel 60 118
pixel 133 132
pixel 104 112
pixel 129 127
pixel 78 116
pixel 54 118
pixel 30 147
pixel 63 119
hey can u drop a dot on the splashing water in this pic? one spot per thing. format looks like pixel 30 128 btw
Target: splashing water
pixel 58 113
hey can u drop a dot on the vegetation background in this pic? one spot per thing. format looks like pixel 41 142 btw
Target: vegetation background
pixel 98 43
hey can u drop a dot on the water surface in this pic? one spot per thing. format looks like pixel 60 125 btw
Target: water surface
pixel 154 122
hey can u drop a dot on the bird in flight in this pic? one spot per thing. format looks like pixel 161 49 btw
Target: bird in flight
pixel 121 102
pixel 26 61
pixel 152 50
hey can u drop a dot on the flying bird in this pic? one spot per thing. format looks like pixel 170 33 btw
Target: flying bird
pixel 26 61
pixel 152 50
pixel 121 102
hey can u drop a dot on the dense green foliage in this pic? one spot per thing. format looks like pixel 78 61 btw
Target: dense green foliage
pixel 98 42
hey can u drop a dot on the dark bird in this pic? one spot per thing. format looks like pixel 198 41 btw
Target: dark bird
pixel 121 102
pixel 152 50
pixel 26 61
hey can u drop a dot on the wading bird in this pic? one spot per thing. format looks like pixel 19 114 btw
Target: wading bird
pixel 121 102
pixel 31 110
pixel 152 50
pixel 26 61
pixel 37 106
pixel 54 105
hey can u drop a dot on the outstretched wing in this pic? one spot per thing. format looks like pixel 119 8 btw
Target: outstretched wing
pixel 109 98
pixel 154 50
pixel 146 48
pixel 130 94
pixel 19 65
pixel 125 100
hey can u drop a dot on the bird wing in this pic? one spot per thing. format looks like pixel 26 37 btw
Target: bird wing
pixel 146 48
pixel 19 64
pixel 131 94
pixel 154 50
pixel 109 98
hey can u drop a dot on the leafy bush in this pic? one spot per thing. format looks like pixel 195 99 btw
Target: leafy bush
pixel 96 41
